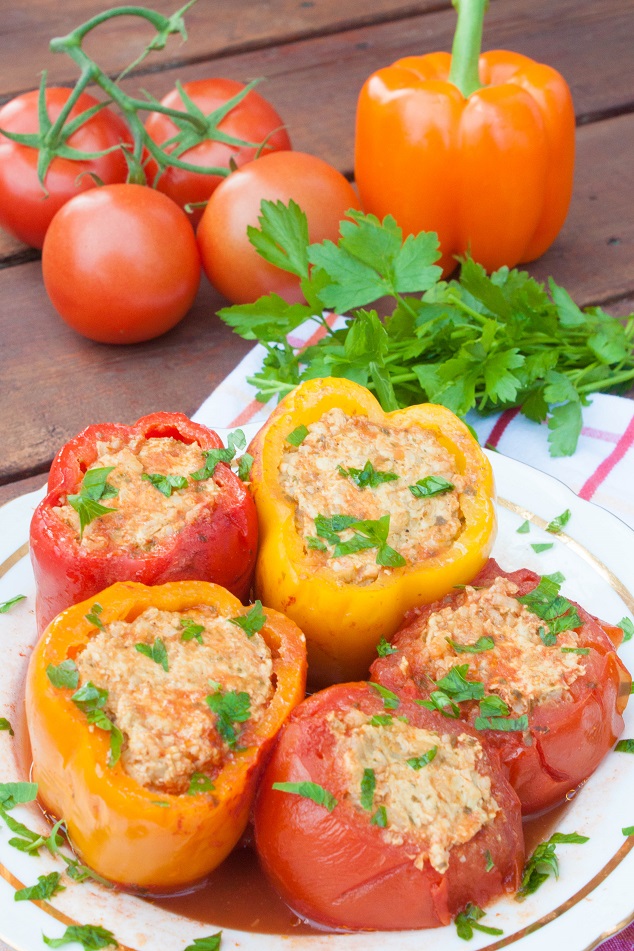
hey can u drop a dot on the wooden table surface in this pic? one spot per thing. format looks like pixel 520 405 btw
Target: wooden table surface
pixel 314 55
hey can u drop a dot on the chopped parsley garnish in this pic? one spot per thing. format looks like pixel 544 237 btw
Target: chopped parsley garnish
pixel 493 706
pixel 417 762
pixel 47 886
pixel 13 794
pixel 92 937
pixel 235 441
pixel 87 502
pixel 489 864
pixel 209 943
pixel 316 544
pixel 384 648
pixel 245 463
pixel 524 528
pixel 575 650
pixel 230 708
pixel 28 841
pixel 390 700
pixel 469 920
pixel 5 725
pixel 379 818
pixel 381 719
pixel 539 547
pixel 624 746
pixel 297 436
pixel 199 783
pixel 482 644
pixel 309 791
pixel 546 602
pixel 191 630
pixel 505 724
pixel 7 605
pixel 556 577
pixel 456 685
pixel 91 700
pixel 368 533
pixel 156 652
pixel 252 622
pixel 368 785
pixel 627 626
pixel 628 830
pixel 64 674
pixel 559 523
pixel 547 637
pixel 368 477
pixel 165 483
pixel 94 618
pixel 438 700
pixel 543 862
pixel 430 485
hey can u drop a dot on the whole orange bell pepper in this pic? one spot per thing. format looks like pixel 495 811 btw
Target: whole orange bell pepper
pixel 132 835
pixel 344 621
pixel 478 148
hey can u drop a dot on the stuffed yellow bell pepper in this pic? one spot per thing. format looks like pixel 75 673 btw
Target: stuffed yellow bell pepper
pixel 150 711
pixel 363 515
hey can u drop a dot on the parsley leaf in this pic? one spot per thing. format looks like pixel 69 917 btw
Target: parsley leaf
pixel 252 622
pixel 624 746
pixel 46 887
pixel 468 921
pixel 230 708
pixel 91 700
pixel 209 943
pixel 13 794
pixel 417 762
pixel 429 486
pixel 235 441
pixel 524 528
pixel 156 652
pixel 93 616
pixel 91 937
pixel 5 725
pixel 368 785
pixel 64 674
pixel 7 605
pixel 558 523
pixel 368 477
pixel 86 502
pixel 390 700
pixel 543 862
pixel 191 630
pixel 379 818
pixel 165 483
pixel 309 790
pixel 384 648
pixel 297 436
pixel 484 643
pixel 627 626
pixel 200 783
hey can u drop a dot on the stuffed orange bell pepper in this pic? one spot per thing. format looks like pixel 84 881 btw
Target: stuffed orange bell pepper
pixel 362 515
pixel 479 149
pixel 150 712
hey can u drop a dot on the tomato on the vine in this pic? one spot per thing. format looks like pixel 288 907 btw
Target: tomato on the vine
pixel 26 207
pixel 251 120
pixel 230 261
pixel 120 263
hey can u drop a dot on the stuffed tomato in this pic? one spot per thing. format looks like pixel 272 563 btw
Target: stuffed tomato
pixel 533 672
pixel 375 813
pixel 150 503
pixel 150 711
pixel 362 515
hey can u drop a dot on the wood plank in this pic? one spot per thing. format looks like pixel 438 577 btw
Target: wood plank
pixel 329 71
pixel 214 29
pixel 54 382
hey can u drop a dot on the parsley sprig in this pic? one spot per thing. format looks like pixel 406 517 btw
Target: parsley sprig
pixel 87 502
pixel 548 604
pixel 479 342
pixel 543 862
pixel 368 533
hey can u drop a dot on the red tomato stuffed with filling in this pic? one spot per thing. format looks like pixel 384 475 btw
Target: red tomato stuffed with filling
pixel 375 813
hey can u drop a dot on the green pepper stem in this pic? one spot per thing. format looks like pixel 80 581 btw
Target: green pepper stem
pixel 467 44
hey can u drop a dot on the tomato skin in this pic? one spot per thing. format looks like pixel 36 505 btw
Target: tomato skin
pixel 25 209
pixel 120 264
pixel 567 740
pixel 252 120
pixel 337 869
pixel 230 261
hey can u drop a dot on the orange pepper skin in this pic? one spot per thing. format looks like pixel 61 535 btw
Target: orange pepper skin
pixel 491 173
pixel 343 622
pixel 114 823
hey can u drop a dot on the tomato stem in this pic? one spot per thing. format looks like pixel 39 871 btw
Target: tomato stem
pixel 467 45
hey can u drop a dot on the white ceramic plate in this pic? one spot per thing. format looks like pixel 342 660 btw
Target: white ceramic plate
pixel 592 897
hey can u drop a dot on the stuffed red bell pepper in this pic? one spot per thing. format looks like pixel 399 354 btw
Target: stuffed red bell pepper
pixel 152 502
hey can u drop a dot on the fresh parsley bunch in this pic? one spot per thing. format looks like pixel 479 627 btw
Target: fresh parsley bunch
pixel 479 342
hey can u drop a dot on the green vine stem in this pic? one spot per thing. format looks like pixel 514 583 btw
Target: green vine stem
pixel 467 44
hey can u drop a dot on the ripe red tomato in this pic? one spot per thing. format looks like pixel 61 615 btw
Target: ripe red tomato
pixel 339 868
pixel 567 738
pixel 253 119
pixel 120 263
pixel 230 261
pixel 26 209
